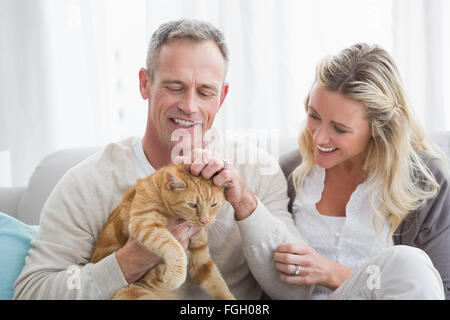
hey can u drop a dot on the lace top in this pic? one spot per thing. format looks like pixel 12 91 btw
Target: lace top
pixel 350 240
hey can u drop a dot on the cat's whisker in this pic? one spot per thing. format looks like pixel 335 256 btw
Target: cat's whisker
pixel 178 225
pixel 219 228
pixel 218 225
pixel 215 229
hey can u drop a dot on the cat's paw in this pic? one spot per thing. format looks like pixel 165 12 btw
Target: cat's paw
pixel 226 296
pixel 175 273
pixel 173 279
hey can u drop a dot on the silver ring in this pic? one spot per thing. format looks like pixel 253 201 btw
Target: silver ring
pixel 297 270
pixel 225 164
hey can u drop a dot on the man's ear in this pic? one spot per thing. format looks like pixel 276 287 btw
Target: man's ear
pixel 223 94
pixel 144 83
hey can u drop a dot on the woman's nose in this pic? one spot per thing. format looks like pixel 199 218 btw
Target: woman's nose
pixel 321 136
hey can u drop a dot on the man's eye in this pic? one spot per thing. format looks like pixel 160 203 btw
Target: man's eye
pixel 174 89
pixel 205 94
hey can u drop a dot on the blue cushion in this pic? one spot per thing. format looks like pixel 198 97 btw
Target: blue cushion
pixel 15 241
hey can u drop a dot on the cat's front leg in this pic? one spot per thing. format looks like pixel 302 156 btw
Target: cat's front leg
pixel 150 230
pixel 204 271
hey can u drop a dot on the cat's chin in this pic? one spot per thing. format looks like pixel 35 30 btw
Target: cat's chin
pixel 200 225
pixel 197 224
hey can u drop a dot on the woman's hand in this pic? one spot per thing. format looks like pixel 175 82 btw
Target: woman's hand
pixel 314 268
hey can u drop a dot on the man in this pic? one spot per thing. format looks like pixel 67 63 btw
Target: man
pixel 184 85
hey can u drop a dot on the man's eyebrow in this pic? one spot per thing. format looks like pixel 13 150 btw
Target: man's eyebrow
pixel 337 123
pixel 205 86
pixel 172 82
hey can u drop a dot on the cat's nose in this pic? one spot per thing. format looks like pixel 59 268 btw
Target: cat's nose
pixel 205 221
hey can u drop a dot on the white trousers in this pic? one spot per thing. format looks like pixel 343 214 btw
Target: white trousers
pixel 397 273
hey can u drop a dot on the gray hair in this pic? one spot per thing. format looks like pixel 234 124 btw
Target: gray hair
pixel 185 29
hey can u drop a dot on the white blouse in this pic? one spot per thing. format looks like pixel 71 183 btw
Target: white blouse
pixel 349 240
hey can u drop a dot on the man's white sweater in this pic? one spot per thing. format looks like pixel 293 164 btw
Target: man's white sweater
pixel 58 265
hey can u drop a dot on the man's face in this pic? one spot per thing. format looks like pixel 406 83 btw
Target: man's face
pixel 187 89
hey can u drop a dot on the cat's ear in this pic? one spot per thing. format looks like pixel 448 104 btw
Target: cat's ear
pixel 226 185
pixel 173 182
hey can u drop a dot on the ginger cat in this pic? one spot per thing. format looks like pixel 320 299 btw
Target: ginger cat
pixel 144 213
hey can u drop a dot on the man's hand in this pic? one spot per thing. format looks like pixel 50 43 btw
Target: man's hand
pixel 213 166
pixel 135 259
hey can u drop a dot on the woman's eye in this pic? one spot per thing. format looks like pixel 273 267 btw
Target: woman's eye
pixel 313 116
pixel 192 205
pixel 340 130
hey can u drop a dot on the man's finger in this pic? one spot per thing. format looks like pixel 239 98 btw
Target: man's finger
pixel 201 159
pixel 222 177
pixel 214 166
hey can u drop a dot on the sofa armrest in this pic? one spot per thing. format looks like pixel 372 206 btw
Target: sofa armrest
pixel 10 198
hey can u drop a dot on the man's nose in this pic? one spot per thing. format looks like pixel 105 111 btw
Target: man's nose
pixel 189 103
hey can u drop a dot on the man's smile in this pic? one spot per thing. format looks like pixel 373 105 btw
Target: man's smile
pixel 185 123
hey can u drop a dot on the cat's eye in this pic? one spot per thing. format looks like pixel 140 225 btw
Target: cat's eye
pixel 192 204
pixel 213 205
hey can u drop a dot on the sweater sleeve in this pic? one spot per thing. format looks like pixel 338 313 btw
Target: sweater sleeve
pixel 434 220
pixel 428 228
pixel 58 264
pixel 268 226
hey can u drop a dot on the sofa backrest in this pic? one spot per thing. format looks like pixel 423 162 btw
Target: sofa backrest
pixel 442 139
pixel 44 179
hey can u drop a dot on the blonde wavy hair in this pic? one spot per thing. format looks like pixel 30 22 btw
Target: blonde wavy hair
pixel 368 74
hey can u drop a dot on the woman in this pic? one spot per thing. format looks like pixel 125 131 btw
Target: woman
pixel 367 182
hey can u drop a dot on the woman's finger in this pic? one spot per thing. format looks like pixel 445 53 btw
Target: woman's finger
pixel 303 279
pixel 289 269
pixel 289 258
pixel 296 248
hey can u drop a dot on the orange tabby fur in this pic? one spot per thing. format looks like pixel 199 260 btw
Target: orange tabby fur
pixel 144 213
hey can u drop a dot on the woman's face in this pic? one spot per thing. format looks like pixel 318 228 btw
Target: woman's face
pixel 339 128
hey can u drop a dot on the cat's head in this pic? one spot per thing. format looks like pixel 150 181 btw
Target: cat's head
pixel 191 198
